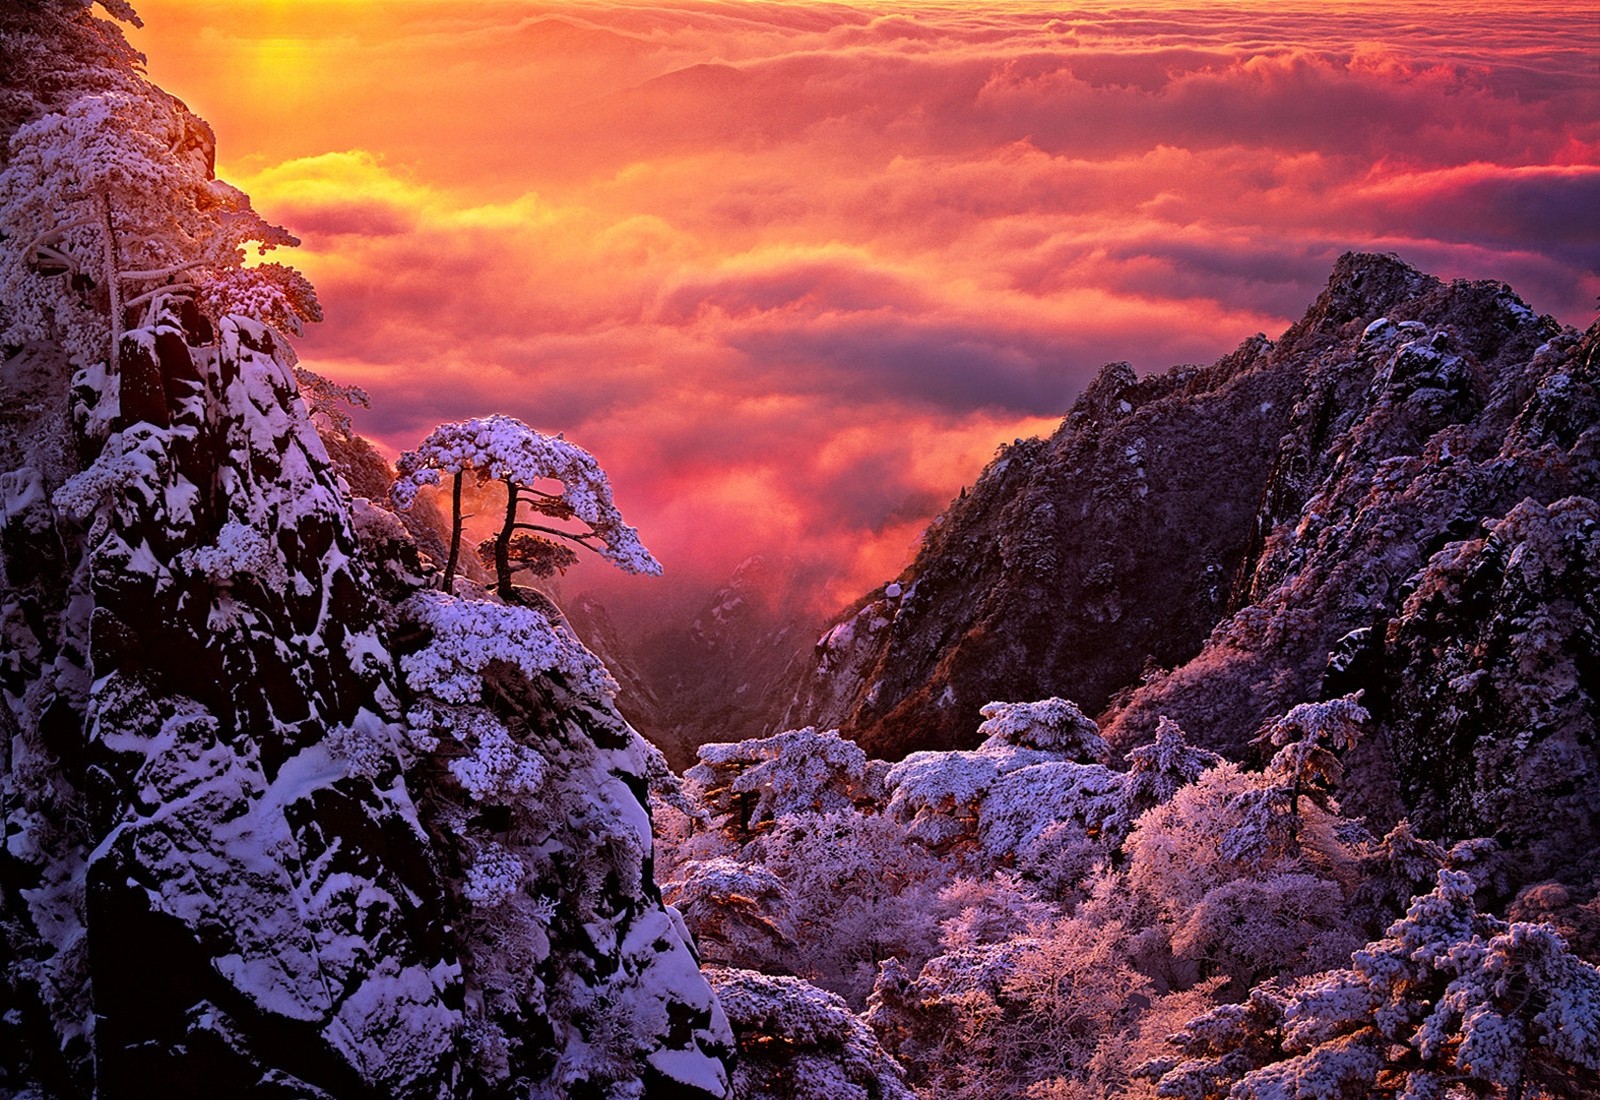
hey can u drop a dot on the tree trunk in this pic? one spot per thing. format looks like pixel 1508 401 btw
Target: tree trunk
pixel 502 546
pixel 455 534
pixel 113 286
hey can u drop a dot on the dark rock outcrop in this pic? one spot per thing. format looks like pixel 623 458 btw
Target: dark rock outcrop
pixel 1331 512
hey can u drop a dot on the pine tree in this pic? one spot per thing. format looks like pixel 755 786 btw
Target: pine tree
pixel 504 449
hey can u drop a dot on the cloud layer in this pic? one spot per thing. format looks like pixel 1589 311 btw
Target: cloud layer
pixel 792 271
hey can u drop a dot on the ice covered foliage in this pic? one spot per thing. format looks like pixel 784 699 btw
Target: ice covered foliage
pixel 989 1020
pixel 860 892
pixel 1449 999
pixel 936 795
pixel 1042 806
pixel 747 785
pixel 739 912
pixel 1396 869
pixel 1157 771
pixel 583 980
pixel 798 1042
pixel 1243 912
pixel 1310 739
pixel 524 461
pixel 1053 725
pixel 114 210
pixel 466 637
pixel 1025 783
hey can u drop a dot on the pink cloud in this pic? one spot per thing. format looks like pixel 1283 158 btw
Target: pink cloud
pixel 793 271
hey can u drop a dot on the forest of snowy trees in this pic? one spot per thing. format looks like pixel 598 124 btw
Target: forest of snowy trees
pixel 295 806
pixel 1022 920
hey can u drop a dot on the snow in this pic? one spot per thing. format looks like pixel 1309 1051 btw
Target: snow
pixel 468 635
pixel 1054 725
pixel 498 768
pixel 494 877
pixel 503 448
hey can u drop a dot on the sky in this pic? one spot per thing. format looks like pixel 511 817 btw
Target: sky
pixel 792 271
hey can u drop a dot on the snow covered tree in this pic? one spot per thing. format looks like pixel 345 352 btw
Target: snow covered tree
pixel 1305 768
pixel 987 1021
pixel 1033 813
pixel 1450 999
pixel 747 785
pixel 936 795
pixel 738 912
pixel 863 893
pixel 798 1042
pixel 1243 911
pixel 524 461
pixel 329 403
pixel 1053 725
pixel 1156 772
pixel 1394 870
pixel 110 210
pixel 1027 776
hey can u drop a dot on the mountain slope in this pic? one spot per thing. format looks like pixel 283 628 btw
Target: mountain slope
pixel 279 819
pixel 1198 543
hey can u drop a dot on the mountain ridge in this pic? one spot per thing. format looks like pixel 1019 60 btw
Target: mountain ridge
pixel 1198 544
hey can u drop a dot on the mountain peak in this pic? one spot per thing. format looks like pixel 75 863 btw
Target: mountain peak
pixel 1196 543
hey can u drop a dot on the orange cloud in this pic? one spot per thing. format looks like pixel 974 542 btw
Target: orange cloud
pixel 792 270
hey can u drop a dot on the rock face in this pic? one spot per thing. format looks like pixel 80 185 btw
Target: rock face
pixel 279 820
pixel 1396 496
pixel 1071 564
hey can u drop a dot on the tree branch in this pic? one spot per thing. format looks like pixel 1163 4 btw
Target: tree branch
pixel 45 252
pixel 172 288
pixel 578 537
pixel 160 273
pixel 57 233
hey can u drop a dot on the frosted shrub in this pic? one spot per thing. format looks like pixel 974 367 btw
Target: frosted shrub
pixel 498 769
pixel 1053 725
pixel 936 795
pixel 1156 772
pixel 467 636
pixel 494 877
pixel 868 894
pixel 1250 929
pixel 747 785
pixel 986 1022
pixel 1450 998
pixel 739 913
pixel 1024 814
pixel 797 1042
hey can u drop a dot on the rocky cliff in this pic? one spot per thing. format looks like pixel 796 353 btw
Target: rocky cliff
pixel 1395 496
pixel 279 819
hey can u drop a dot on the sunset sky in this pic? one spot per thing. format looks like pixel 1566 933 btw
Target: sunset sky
pixel 791 271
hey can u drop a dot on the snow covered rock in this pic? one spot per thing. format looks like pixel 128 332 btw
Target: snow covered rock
pixel 276 822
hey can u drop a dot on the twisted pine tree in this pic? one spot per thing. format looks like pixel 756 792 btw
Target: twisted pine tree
pixel 504 449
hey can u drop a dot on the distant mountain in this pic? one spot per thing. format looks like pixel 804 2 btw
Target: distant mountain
pixel 713 678
pixel 1396 496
